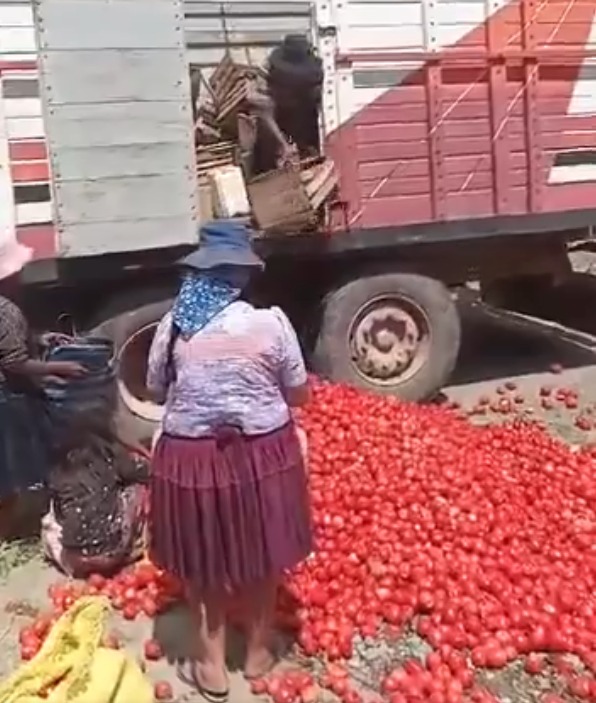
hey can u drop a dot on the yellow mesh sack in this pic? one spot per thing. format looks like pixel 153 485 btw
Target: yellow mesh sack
pixel 74 667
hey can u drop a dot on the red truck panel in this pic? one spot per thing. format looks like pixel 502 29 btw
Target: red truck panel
pixel 502 122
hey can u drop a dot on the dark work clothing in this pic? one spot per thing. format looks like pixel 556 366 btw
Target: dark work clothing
pixel 301 126
pixel 24 424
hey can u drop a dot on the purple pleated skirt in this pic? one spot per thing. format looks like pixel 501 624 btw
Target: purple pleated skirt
pixel 229 511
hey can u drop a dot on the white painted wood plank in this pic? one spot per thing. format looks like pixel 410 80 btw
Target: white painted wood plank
pixel 405 37
pixel 379 16
pixel 25 127
pixel 17 40
pixel 23 107
pixel 16 16
pixel 33 213
pixel 460 13
pixel 15 57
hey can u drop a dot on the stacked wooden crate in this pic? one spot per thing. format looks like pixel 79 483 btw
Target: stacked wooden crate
pixel 286 200
pixel 232 85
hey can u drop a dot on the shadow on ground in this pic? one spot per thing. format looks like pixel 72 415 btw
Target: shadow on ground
pixel 492 349
pixel 496 347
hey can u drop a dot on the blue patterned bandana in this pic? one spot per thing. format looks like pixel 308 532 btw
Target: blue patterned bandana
pixel 200 299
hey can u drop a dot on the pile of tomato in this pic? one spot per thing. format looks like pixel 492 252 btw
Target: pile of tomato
pixel 481 539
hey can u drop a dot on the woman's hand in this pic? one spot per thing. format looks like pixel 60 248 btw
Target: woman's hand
pixel 287 156
pixel 68 369
pixel 35 368
pixel 47 339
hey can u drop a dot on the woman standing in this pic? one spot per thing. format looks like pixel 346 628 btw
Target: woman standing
pixel 23 449
pixel 229 502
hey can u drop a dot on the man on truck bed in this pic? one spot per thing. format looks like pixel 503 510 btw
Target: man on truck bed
pixel 288 108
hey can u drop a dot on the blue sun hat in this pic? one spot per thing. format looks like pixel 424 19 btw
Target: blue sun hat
pixel 205 291
pixel 223 243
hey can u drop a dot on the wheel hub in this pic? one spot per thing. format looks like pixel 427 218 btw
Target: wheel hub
pixel 388 339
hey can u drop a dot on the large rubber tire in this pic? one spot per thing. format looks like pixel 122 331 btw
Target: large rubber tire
pixel 121 328
pixel 332 351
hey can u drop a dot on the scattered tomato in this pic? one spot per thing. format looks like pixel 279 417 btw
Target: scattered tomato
pixel 163 691
pixel 258 686
pixel 153 650
pixel 535 664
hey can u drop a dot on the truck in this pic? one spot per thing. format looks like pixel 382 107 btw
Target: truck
pixel 463 132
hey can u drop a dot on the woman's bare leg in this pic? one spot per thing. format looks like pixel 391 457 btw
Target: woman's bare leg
pixel 210 664
pixel 260 600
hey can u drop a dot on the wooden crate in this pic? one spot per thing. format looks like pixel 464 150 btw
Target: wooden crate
pixel 288 200
pixel 279 202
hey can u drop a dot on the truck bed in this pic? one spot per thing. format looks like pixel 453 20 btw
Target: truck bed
pixel 445 111
pixel 441 116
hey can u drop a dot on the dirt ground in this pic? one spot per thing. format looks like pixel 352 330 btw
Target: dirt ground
pixel 495 350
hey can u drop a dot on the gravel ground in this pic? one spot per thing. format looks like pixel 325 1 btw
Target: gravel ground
pixel 495 349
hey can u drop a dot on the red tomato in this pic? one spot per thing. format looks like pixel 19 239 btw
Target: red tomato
pixel 583 423
pixel 580 687
pixel 131 595
pixel 27 634
pixel 29 648
pixel 130 611
pixel 163 691
pixel 149 606
pixel 535 664
pixel 153 650
pixel 42 625
pixel 145 573
pixel 310 694
pixel 283 695
pixel 97 581
pixel 258 687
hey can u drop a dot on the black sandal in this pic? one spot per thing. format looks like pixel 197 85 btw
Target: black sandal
pixel 190 679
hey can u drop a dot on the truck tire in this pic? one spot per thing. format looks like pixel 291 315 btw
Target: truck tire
pixel 131 332
pixel 391 333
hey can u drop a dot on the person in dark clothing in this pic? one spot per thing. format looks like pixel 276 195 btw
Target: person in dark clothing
pixel 24 423
pixel 295 84
pixel 97 492
pixel 288 104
